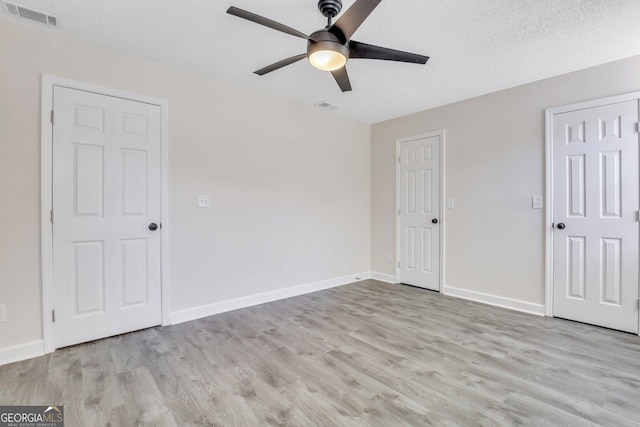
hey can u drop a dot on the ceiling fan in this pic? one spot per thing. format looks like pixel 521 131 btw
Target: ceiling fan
pixel 329 49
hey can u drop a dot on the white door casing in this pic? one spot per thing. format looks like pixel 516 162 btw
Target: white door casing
pixel 595 202
pixel 419 216
pixel 106 190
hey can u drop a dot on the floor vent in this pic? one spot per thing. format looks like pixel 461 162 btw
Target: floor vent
pixel 326 105
pixel 33 15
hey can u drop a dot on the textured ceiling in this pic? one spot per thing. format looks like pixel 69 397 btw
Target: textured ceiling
pixel 476 47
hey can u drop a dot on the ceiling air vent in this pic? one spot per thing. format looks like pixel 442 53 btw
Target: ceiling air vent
pixel 327 106
pixel 33 15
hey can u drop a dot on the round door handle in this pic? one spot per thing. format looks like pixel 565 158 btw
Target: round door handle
pixel 153 226
pixel 434 220
pixel 561 226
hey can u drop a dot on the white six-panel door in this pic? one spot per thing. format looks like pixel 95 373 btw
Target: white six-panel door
pixel 419 213
pixel 106 193
pixel 596 202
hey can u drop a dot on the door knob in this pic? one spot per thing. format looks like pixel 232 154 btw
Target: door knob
pixel 153 226
pixel 561 226
pixel 435 221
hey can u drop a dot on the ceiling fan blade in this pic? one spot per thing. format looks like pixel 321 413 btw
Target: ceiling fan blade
pixel 359 50
pixel 350 20
pixel 342 78
pixel 265 21
pixel 280 64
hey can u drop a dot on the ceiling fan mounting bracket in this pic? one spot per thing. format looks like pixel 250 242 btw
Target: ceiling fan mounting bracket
pixel 330 8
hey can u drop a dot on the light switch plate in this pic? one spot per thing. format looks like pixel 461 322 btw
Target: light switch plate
pixel 449 202
pixel 536 202
pixel 3 313
pixel 204 201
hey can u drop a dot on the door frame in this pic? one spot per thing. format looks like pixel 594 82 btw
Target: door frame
pixel 441 193
pixel 46 199
pixel 549 113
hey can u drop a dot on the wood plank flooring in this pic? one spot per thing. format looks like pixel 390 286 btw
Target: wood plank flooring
pixel 365 354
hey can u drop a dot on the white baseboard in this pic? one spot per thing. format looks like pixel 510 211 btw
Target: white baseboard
pixel 504 302
pixel 19 352
pixel 388 278
pixel 261 298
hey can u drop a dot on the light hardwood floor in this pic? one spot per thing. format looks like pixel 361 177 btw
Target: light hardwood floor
pixel 368 353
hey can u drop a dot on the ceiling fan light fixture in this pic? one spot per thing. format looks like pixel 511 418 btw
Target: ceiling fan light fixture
pixel 327 60
pixel 327 55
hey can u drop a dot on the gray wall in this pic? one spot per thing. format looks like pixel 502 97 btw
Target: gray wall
pixel 287 183
pixel 495 162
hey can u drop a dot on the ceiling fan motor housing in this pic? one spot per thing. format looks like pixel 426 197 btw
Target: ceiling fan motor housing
pixel 325 40
pixel 330 8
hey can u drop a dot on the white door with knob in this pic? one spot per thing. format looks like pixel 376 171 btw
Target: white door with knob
pixel 106 215
pixel 419 222
pixel 596 233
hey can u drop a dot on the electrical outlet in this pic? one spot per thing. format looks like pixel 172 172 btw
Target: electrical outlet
pixel 288 267
pixel 449 202
pixel 536 202
pixel 204 201
pixel 388 258
pixel 3 313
